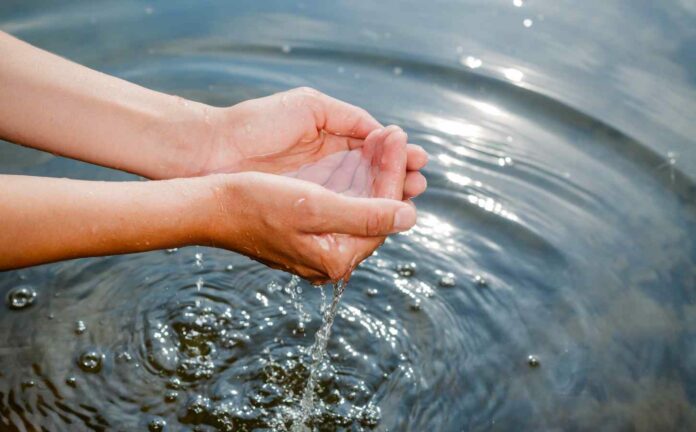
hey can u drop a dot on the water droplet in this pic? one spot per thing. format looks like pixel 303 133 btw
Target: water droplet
pixel 533 361
pixel 372 292
pixel 28 383
pixel 71 381
pixel 80 327
pixel 527 22
pixel 406 269
pixel 447 281
pixel 124 357
pixel 21 297
pixel 157 424
pixel 91 361
pixel 398 71
pixel 286 49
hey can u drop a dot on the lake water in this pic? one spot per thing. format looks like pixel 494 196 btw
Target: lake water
pixel 550 283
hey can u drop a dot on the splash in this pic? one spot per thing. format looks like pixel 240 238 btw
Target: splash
pixel 318 354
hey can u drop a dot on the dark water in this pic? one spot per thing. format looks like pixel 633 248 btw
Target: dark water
pixel 550 283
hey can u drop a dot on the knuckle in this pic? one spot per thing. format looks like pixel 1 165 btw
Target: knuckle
pixel 307 91
pixel 374 222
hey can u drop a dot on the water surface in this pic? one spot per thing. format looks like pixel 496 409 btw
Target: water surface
pixel 559 224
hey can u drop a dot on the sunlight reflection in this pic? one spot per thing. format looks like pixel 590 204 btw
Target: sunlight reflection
pixel 491 205
pixel 514 75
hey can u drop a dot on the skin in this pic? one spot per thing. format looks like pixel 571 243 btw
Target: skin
pixel 224 174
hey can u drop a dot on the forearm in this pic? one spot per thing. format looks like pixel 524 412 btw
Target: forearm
pixel 52 104
pixel 47 219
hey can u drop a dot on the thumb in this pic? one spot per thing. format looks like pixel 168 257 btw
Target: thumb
pixel 366 217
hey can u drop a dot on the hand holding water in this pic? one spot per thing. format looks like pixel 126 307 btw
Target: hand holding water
pixel 324 220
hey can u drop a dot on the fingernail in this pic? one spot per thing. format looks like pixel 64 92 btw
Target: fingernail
pixel 404 218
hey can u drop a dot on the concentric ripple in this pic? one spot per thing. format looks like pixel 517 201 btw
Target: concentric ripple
pixel 548 283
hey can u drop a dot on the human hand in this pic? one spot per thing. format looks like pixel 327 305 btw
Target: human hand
pixel 285 131
pixel 318 232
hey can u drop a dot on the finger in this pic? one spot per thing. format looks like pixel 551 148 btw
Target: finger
pixel 341 118
pixel 367 217
pixel 416 157
pixel 390 158
pixel 414 184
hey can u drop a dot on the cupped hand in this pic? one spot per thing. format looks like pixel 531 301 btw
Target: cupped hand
pixel 322 220
pixel 285 131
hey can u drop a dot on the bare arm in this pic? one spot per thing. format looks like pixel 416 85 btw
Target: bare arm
pixel 52 104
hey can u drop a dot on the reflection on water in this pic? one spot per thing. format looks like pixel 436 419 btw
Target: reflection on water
pixel 548 283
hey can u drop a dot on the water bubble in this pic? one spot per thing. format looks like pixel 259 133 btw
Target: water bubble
pixel 171 396
pixel 174 383
pixel 372 292
pixel 229 267
pixel 406 269
pixel 124 357
pixel 533 361
pixel 71 381
pixel 447 281
pixel 91 361
pixel 80 327
pixel 157 424
pixel 415 305
pixel 28 383
pixel 480 281
pixel 527 22
pixel 21 297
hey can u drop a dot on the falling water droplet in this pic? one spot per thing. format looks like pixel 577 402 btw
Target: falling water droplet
pixel 21 297
pixel 91 361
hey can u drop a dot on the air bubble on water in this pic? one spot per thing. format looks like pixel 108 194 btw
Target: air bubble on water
pixel 447 281
pixel 398 71
pixel 91 361
pixel 415 304
pixel 533 361
pixel 199 259
pixel 480 281
pixel 527 22
pixel 124 357
pixel 28 383
pixel 157 424
pixel 71 381
pixel 286 49
pixel 406 269
pixel 171 396
pixel 174 383
pixel 229 267
pixel 21 297
pixel 372 292
pixel 80 327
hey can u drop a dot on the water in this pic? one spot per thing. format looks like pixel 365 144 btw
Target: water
pixel 549 283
